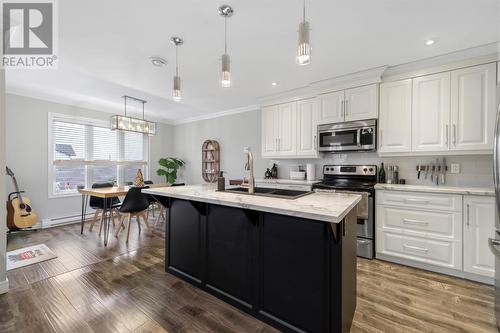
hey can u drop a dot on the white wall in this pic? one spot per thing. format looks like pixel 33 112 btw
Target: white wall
pixel 4 286
pixel 237 131
pixel 26 153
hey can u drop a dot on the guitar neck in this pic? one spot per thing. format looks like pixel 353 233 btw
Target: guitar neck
pixel 16 186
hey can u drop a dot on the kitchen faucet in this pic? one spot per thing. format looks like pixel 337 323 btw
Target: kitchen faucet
pixel 249 166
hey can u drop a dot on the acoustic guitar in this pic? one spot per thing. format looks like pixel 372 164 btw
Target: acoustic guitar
pixel 20 215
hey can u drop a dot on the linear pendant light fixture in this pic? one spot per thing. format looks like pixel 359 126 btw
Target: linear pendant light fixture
pixel 304 48
pixel 129 124
pixel 176 91
pixel 225 11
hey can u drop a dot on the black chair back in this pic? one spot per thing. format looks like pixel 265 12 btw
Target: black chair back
pixel 148 182
pixel 135 201
pixel 98 203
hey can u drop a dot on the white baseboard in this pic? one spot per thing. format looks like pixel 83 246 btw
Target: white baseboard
pixel 4 286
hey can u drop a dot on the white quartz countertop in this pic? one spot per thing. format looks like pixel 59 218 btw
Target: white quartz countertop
pixel 287 181
pixel 438 189
pixel 327 207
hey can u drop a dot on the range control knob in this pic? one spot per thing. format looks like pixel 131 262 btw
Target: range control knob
pixel 371 169
pixel 365 169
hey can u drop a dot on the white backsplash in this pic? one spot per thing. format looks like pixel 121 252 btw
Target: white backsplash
pixel 475 170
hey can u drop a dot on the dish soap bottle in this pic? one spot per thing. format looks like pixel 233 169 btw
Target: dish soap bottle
pixel 221 182
pixel 381 173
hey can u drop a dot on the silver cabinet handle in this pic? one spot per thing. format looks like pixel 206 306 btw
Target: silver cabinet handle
pixel 315 142
pixel 346 107
pixel 417 201
pixel 492 243
pixel 468 215
pixel 447 136
pixel 416 222
pixel 455 135
pixel 381 136
pixel 415 248
pixel 342 109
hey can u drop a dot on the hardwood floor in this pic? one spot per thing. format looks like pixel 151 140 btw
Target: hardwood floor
pixel 123 288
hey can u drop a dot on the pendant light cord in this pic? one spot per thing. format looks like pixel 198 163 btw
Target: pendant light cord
pixel 142 110
pixel 176 60
pixel 304 11
pixel 225 34
pixel 125 98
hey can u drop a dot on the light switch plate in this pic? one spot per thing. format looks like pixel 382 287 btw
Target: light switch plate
pixel 455 168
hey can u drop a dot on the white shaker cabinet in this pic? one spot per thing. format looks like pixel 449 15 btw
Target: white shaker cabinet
pixel 431 113
pixel 479 225
pixel 270 130
pixel 361 103
pixel 473 107
pixel 287 124
pixel 331 107
pixel 395 117
pixel 307 122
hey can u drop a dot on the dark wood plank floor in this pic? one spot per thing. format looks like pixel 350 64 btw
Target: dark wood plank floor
pixel 123 288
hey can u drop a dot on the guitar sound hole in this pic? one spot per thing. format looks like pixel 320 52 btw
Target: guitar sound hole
pixel 28 209
pixel 22 206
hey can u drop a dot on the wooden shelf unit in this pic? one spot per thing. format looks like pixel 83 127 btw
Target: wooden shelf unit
pixel 210 157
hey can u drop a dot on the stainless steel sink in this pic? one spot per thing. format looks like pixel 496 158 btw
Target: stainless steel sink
pixel 270 192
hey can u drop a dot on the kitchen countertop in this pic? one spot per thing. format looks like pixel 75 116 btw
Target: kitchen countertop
pixel 327 207
pixel 287 181
pixel 438 189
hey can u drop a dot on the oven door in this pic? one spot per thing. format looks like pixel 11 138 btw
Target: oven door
pixel 339 140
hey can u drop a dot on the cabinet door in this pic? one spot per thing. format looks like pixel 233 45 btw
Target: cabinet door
pixel 479 225
pixel 307 127
pixel 473 108
pixel 431 112
pixel 331 107
pixel 270 130
pixel 395 117
pixel 287 139
pixel 361 103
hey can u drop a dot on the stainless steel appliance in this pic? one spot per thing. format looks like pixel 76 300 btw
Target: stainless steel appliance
pixel 360 179
pixel 495 243
pixel 350 136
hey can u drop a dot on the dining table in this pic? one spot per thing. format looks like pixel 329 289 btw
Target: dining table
pixel 106 193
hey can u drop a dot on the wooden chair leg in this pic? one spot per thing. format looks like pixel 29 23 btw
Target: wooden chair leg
pixel 160 215
pixel 101 221
pixel 145 218
pixel 117 232
pixel 96 215
pixel 129 223
pixel 138 222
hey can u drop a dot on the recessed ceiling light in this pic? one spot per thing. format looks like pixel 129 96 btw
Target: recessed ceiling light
pixel 158 61
pixel 274 83
pixel 429 42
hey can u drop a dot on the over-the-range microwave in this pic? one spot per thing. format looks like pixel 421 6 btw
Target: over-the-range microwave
pixel 348 136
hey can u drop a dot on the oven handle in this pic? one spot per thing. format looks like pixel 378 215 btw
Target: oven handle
pixel 358 139
pixel 341 191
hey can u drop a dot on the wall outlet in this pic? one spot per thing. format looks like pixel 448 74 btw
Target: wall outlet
pixel 455 168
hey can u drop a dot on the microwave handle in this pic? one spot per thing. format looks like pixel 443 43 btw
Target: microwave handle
pixel 358 139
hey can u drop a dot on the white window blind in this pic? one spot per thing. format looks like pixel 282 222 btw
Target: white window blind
pixel 86 151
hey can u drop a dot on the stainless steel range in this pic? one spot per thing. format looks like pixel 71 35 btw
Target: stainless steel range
pixel 360 179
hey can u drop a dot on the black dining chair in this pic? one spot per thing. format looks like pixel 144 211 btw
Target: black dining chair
pixel 163 201
pixel 152 201
pixel 98 204
pixel 135 205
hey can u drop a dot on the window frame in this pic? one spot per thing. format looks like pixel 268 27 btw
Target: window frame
pixel 89 162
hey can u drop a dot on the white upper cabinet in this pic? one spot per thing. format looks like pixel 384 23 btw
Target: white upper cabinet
pixel 287 129
pixel 270 130
pixel 431 113
pixel 395 117
pixel 332 107
pixel 361 103
pixel 473 107
pixel 479 225
pixel 307 120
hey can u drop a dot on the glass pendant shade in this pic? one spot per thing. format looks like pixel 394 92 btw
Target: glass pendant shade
pixel 304 48
pixel 226 71
pixel 176 91
pixel 130 124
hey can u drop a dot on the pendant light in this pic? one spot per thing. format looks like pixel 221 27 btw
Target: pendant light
pixel 225 11
pixel 130 124
pixel 304 47
pixel 176 91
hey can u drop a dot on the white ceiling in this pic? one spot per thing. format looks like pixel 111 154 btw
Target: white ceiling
pixel 104 47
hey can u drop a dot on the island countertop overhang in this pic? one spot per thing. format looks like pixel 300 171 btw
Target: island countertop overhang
pixel 320 206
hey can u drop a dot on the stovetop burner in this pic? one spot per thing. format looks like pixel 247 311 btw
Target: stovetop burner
pixel 348 177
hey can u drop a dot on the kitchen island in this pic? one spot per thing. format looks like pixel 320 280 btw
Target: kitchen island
pixel 290 263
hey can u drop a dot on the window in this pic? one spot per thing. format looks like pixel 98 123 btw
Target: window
pixel 85 151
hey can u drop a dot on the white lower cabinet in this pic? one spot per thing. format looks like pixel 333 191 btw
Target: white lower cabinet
pixel 479 225
pixel 446 231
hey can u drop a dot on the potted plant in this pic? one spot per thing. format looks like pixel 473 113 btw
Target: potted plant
pixel 169 167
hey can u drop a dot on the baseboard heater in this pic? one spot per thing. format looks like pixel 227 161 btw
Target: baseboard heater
pixel 58 221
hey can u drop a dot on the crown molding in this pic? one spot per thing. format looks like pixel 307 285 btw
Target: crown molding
pixel 218 114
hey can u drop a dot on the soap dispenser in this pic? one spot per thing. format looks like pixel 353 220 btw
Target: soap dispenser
pixel 221 182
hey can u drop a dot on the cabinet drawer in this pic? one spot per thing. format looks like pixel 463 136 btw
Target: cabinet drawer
pixel 420 223
pixel 435 252
pixel 433 201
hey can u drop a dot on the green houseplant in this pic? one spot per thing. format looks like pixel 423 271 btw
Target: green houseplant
pixel 169 167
